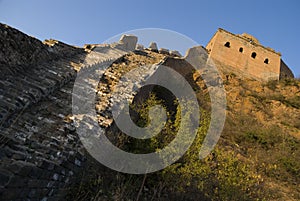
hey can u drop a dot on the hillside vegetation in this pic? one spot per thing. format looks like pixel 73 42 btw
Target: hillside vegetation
pixel 256 158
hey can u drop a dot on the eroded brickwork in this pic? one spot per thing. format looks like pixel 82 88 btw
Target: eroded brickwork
pixel 41 155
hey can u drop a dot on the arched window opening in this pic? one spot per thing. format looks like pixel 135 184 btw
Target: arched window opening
pixel 241 49
pixel 266 61
pixel 227 44
pixel 253 55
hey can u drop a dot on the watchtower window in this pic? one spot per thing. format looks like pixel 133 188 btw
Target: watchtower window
pixel 253 55
pixel 241 49
pixel 266 61
pixel 227 44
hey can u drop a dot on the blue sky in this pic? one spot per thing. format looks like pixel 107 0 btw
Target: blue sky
pixel 274 22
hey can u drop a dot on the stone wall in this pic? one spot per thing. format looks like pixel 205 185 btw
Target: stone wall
pixel 41 155
pixel 285 72
pixel 18 50
pixel 40 151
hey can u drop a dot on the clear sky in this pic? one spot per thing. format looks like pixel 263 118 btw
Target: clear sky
pixel 274 22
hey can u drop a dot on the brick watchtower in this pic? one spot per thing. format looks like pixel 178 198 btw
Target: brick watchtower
pixel 243 53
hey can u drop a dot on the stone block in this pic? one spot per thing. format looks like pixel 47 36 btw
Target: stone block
pixel 36 173
pixel 21 168
pixel 139 47
pixel 5 177
pixel 163 51
pixel 17 181
pixel 12 194
pixel 128 42
pixel 153 46
pixel 175 53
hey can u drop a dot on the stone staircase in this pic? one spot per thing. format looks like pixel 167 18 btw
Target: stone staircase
pixel 41 154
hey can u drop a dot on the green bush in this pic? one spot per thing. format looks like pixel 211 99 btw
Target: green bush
pixel 266 138
pixel 291 165
pixel 272 84
pixel 247 154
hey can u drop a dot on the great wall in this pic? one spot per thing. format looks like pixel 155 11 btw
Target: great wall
pixel 41 155
pixel 40 151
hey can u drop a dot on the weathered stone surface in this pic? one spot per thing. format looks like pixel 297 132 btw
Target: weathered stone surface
pixel 41 153
pixel 128 42
pixel 175 53
pixel 110 95
pixel 163 51
pixel 244 55
pixel 139 47
pixel 5 177
pixel 18 50
pixel 153 46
